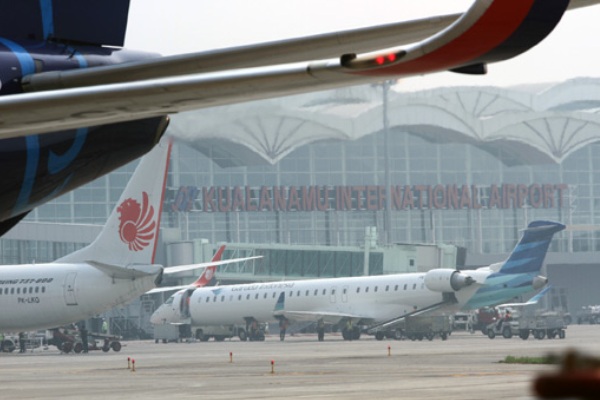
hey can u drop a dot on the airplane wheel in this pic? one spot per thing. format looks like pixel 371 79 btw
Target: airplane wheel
pixel 444 336
pixel 429 336
pixel 562 334
pixel 242 335
pixel 116 346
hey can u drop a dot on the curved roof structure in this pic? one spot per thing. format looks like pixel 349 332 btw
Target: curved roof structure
pixel 532 126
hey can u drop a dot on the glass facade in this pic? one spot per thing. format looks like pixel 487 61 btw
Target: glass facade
pixel 414 186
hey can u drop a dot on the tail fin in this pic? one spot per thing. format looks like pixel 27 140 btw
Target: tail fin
pixel 208 275
pixel 529 254
pixel 95 22
pixel 130 235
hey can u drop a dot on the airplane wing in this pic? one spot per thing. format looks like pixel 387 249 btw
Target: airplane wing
pixel 490 31
pixel 328 317
pixel 189 267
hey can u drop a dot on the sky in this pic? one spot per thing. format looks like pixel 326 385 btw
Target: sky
pixel 184 26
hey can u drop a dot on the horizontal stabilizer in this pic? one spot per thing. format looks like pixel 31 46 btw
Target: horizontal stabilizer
pixel 118 272
pixel 190 267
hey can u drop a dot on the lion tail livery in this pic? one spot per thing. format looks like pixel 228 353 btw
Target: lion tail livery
pixel 131 233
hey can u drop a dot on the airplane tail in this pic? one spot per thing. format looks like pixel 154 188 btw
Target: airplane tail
pixel 529 254
pixel 96 22
pixel 130 235
pixel 208 275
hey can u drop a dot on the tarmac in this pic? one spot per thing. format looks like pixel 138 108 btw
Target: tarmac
pixel 466 366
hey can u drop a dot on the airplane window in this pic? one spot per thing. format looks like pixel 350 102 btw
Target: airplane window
pixel 345 290
pixel 357 290
pixel 215 299
pixel 5 290
pixel 0 292
pixel 291 293
pixel 37 289
pixel 31 289
pixel 274 294
pixel 396 288
pixel 405 286
pixel 240 297
pixel 414 286
pixel 12 290
pixel 18 290
pixel 376 288
pixel 247 297
pixel 265 296
pixel 43 289
pixel 208 299
pixel 324 292
pixel 256 296
pixel 316 291
pixel 332 291
pixel 298 294
pixel 169 300
pixel 367 289
pixel 387 288
pixel 222 299
pixel 231 297
pixel 307 293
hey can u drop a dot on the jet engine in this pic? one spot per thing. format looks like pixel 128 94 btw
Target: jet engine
pixel 539 282
pixel 446 280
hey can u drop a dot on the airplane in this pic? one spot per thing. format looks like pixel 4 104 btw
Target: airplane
pixel 74 104
pixel 379 303
pixel 115 268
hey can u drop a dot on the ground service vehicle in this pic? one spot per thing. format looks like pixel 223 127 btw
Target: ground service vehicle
pixel 539 326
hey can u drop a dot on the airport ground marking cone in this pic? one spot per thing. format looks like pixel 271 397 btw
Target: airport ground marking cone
pixel 272 366
pixel 389 350
pixel 128 362
pixel 230 357
pixel 132 365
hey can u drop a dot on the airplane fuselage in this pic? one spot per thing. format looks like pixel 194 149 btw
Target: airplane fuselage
pixel 373 299
pixel 39 296
pixel 44 167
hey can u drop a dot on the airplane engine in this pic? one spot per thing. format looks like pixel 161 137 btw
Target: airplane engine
pixel 539 282
pixel 446 280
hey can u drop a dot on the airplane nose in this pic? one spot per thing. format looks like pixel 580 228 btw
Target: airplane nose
pixel 156 319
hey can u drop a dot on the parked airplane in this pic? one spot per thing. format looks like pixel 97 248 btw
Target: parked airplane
pixel 114 269
pixel 377 302
pixel 64 74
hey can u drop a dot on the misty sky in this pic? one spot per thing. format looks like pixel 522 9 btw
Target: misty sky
pixel 181 26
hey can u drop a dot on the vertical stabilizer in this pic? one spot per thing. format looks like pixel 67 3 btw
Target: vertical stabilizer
pixel 130 235
pixel 207 278
pixel 528 256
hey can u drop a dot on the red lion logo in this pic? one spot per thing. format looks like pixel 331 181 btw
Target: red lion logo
pixel 137 225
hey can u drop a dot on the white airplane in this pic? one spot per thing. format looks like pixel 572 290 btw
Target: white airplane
pixel 114 269
pixel 377 302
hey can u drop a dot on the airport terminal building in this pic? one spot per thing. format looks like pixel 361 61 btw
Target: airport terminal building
pixel 462 166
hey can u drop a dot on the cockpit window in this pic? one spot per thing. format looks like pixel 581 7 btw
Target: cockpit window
pixel 169 300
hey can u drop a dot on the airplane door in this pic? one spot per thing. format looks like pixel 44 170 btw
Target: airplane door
pixel 70 299
pixel 333 294
pixel 345 294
